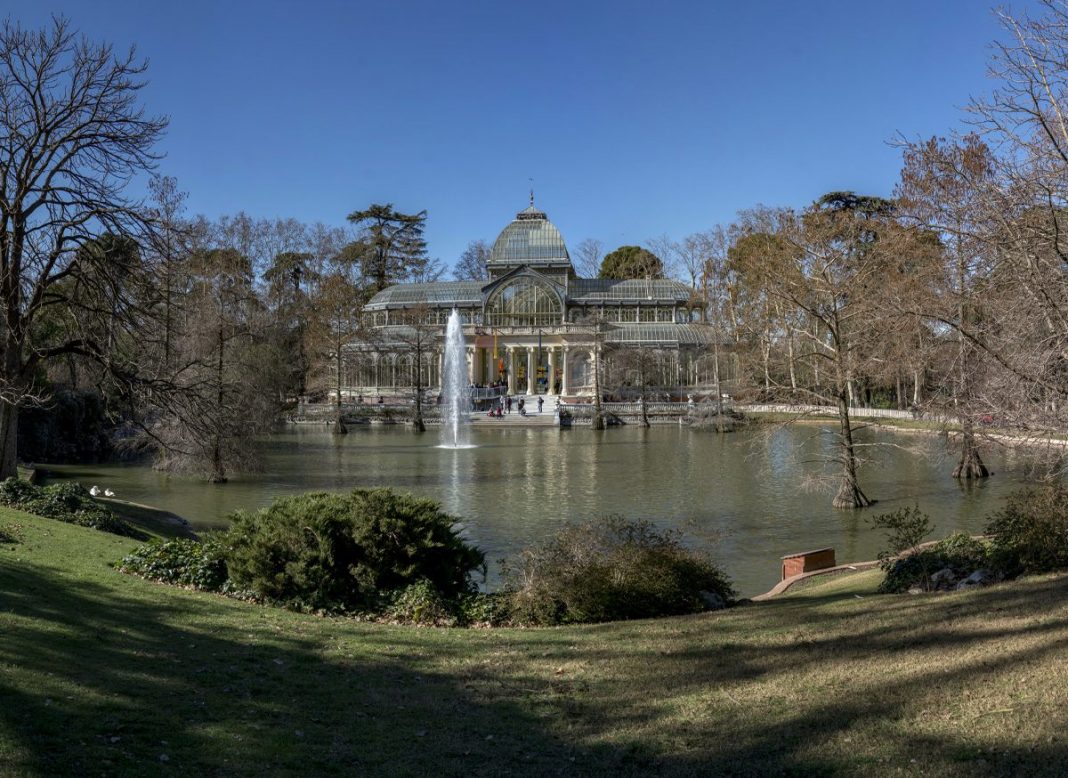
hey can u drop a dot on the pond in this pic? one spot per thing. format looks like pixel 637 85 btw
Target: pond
pixel 744 496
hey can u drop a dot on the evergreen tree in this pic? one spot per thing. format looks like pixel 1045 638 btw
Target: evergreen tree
pixel 391 248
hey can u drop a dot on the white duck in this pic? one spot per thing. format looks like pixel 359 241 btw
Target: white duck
pixel 109 493
pixel 95 491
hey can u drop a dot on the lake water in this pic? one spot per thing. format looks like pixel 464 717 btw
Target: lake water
pixel 742 495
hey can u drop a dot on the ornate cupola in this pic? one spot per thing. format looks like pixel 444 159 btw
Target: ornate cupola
pixel 531 240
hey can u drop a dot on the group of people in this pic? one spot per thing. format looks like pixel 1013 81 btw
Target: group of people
pixel 505 406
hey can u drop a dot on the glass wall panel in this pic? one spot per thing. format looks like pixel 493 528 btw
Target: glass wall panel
pixel 525 302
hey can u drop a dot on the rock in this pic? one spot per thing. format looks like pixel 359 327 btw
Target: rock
pixel 944 577
pixel 712 601
pixel 978 578
pixel 915 590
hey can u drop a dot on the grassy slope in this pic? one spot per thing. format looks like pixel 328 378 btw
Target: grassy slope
pixel 105 673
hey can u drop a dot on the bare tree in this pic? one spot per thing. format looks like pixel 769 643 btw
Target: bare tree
pixel 72 136
pixel 225 374
pixel 333 325
pixel 588 256
pixel 829 264
pixel 669 251
pixel 1026 120
pixel 693 255
pixel 473 262
pixel 941 194
pixel 635 369
pixel 417 337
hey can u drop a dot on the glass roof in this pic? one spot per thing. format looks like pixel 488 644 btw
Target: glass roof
pixel 529 240
pixel 660 333
pixel 606 289
pixel 468 294
pixel 438 294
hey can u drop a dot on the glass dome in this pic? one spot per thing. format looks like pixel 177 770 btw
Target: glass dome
pixel 531 239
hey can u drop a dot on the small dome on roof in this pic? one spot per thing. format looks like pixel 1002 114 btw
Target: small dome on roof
pixel 531 239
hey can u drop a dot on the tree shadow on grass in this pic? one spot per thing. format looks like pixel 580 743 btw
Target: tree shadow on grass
pixel 96 683
pixel 134 679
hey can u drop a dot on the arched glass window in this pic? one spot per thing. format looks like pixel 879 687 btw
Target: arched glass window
pixel 525 302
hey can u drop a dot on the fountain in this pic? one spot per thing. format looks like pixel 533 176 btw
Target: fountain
pixel 456 400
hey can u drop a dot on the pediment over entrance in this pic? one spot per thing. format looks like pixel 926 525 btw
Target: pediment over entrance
pixel 520 272
pixel 523 298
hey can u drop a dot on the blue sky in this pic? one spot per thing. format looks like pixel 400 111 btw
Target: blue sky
pixel 634 119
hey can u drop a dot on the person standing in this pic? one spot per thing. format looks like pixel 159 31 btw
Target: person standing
pixel 540 402
pixel 508 404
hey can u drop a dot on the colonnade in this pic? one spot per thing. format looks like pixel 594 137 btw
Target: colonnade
pixel 482 367
pixel 369 370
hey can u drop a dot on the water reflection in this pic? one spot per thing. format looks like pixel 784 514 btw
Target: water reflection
pixel 740 495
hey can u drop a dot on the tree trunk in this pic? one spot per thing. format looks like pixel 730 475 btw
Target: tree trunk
pixel 715 364
pixel 339 427
pixel 790 351
pixel 9 434
pixel 417 422
pixel 598 415
pixel 849 493
pixel 218 470
pixel 971 464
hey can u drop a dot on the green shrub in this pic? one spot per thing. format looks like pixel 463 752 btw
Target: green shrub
pixel 183 562
pixel 66 501
pixel 1030 534
pixel 905 528
pixel 488 609
pixel 347 551
pixel 15 492
pixel 611 569
pixel 960 553
pixel 422 604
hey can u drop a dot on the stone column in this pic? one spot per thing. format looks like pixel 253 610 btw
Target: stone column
pixel 552 371
pixel 470 350
pixel 563 377
pixel 511 369
pixel 530 370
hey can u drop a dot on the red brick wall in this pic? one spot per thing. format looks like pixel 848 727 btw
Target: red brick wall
pixel 804 563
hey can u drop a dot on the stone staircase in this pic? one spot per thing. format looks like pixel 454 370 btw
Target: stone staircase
pixel 547 417
pixel 544 419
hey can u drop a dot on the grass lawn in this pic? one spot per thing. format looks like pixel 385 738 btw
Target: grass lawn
pixel 102 673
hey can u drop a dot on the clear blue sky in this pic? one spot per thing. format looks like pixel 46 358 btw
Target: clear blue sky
pixel 633 120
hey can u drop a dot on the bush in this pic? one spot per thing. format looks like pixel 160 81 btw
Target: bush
pixel 906 528
pixel 1030 534
pixel 422 604
pixel 182 562
pixel 67 501
pixel 960 553
pixel 611 569
pixel 347 552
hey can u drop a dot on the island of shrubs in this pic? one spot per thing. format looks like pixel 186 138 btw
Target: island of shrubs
pixel 1028 536
pixel 380 554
